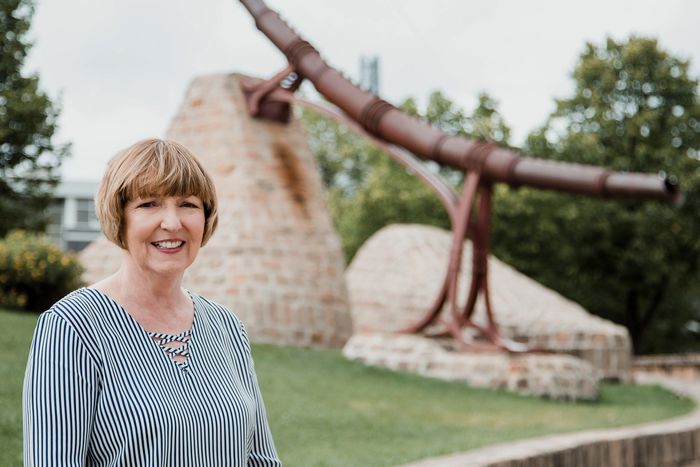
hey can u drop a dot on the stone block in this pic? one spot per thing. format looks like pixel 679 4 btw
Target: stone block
pixel 561 377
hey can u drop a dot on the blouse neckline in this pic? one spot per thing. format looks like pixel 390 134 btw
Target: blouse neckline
pixel 184 367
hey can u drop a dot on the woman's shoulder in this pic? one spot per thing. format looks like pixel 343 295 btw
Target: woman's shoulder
pixel 76 314
pixel 223 323
pixel 78 305
pixel 217 313
pixel 212 307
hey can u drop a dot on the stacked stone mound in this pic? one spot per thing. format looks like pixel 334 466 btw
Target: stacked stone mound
pixel 556 376
pixel 275 258
pixel 395 277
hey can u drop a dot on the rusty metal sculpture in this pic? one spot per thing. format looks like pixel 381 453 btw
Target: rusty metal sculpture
pixel 483 164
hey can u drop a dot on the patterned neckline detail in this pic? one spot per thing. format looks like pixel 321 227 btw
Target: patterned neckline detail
pixel 175 346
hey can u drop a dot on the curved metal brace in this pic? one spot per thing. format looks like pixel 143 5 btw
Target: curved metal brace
pixel 447 195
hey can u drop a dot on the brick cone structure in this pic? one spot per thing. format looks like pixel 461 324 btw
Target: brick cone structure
pixel 275 259
pixel 394 278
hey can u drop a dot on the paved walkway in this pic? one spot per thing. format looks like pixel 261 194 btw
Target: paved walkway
pixel 505 452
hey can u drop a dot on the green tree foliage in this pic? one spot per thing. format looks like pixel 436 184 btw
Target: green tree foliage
pixel 28 157
pixel 368 190
pixel 634 108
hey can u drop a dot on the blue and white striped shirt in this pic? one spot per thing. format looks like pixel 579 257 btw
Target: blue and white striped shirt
pixel 98 391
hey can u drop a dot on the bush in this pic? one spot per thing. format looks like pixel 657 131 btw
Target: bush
pixel 35 273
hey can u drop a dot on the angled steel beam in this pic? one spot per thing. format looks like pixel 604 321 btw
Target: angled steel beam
pixel 394 126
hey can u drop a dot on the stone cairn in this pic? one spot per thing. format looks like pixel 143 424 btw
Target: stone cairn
pixel 394 279
pixel 275 259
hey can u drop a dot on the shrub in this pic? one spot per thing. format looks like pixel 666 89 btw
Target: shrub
pixel 35 273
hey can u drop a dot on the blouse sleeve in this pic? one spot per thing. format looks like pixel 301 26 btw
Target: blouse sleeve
pixel 60 396
pixel 263 452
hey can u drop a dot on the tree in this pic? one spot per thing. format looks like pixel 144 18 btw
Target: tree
pixel 368 190
pixel 634 108
pixel 28 157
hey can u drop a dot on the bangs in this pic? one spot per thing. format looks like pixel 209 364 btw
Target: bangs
pixel 166 173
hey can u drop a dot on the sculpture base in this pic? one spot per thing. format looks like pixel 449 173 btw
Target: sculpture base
pixel 394 278
pixel 555 376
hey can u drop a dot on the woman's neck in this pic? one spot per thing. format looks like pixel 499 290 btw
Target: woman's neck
pixel 157 302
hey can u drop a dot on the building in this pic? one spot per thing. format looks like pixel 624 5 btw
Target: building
pixel 72 220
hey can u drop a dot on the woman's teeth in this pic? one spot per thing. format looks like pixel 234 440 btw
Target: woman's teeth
pixel 168 244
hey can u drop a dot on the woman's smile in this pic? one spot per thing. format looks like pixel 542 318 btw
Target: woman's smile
pixel 168 244
pixel 164 233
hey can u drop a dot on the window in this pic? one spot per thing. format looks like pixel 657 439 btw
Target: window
pixel 86 214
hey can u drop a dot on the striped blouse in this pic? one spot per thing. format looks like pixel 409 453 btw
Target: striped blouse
pixel 99 391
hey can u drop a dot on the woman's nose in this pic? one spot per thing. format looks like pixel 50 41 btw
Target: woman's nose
pixel 171 219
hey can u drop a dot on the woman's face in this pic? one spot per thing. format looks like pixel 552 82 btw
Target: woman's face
pixel 163 233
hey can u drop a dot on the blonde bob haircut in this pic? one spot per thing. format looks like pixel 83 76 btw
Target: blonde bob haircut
pixel 152 167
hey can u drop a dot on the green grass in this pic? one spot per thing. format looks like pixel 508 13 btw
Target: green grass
pixel 326 411
pixel 17 329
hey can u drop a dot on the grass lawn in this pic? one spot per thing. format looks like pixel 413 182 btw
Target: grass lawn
pixel 326 411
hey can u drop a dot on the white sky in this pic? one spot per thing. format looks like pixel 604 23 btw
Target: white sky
pixel 121 68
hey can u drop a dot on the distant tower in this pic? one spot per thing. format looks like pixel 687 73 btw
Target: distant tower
pixel 369 74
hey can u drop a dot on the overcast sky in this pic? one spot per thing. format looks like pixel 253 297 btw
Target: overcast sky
pixel 120 69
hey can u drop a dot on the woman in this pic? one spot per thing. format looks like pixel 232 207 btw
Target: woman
pixel 135 370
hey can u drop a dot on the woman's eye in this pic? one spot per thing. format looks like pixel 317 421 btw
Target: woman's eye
pixel 147 204
pixel 190 204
